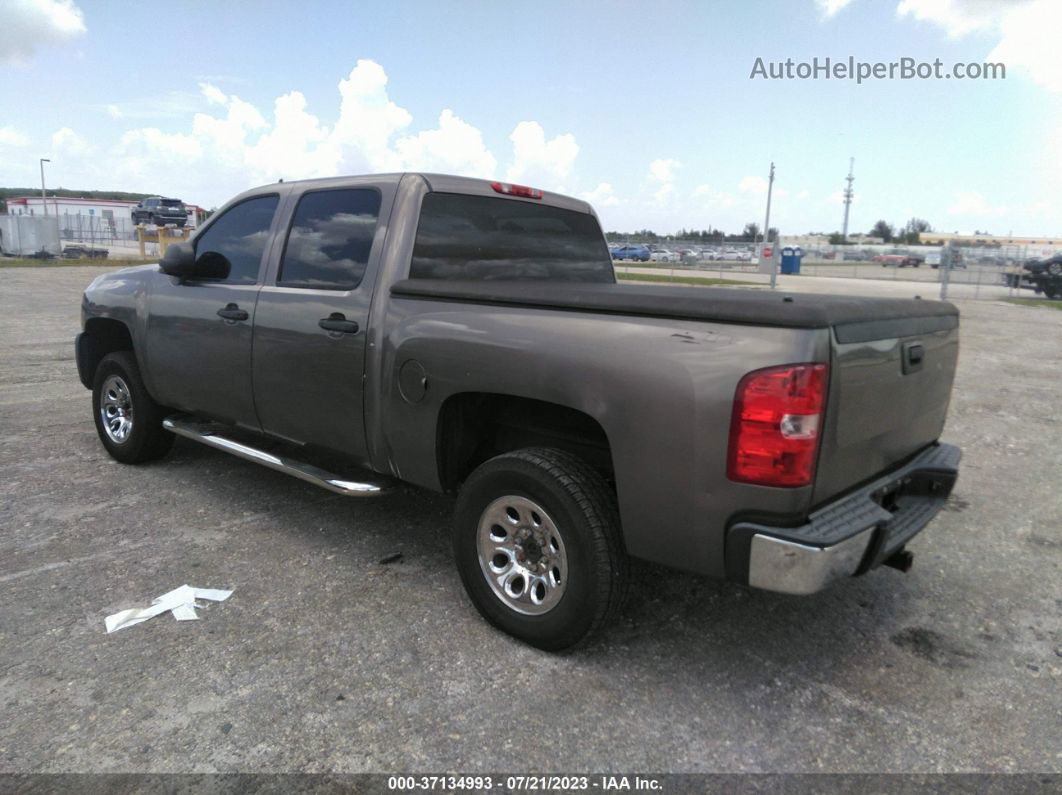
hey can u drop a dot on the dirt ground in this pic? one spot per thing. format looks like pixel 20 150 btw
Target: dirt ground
pixel 326 659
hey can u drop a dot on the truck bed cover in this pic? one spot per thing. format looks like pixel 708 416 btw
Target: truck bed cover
pixel 854 319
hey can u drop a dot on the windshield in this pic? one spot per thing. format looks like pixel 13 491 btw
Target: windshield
pixel 485 238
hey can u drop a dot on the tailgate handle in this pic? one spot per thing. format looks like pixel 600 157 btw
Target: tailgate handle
pixel 914 354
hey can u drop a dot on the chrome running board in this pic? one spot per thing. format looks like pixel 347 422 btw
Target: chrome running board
pixel 210 434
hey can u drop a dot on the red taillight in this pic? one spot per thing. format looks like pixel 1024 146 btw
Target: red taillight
pixel 517 190
pixel 774 434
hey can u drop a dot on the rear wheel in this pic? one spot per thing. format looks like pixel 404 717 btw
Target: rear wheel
pixel 128 420
pixel 537 545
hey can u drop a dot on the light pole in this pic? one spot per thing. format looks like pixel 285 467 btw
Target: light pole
pixel 767 229
pixel 44 196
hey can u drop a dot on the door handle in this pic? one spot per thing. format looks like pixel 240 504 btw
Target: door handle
pixel 233 312
pixel 337 321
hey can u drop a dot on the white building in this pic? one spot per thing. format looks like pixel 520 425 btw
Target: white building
pixel 81 219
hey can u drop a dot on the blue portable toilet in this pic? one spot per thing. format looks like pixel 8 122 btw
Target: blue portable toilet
pixel 791 256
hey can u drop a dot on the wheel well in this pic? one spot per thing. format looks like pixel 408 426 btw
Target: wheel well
pixel 476 426
pixel 102 336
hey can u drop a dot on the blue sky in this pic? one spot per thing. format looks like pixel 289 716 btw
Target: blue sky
pixel 646 109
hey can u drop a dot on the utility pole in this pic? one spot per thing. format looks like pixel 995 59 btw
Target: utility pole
pixel 848 197
pixel 44 196
pixel 767 228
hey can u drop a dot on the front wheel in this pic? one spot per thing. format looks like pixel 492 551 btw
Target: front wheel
pixel 128 420
pixel 537 544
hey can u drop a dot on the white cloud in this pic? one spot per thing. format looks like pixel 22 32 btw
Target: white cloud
pixel 9 136
pixel 957 17
pixel 1027 31
pixel 831 7
pixel 1030 42
pixel 154 139
pixel 662 173
pixel 230 145
pixel 213 94
pixel 663 169
pixel 602 196
pixel 26 25
pixel 454 147
pixel 368 120
pixel 294 146
pixel 535 160
pixel 68 142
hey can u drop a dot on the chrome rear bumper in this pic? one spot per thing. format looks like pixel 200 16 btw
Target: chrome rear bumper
pixel 848 536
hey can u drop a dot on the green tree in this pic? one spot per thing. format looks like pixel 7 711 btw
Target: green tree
pixel 884 230
pixel 913 229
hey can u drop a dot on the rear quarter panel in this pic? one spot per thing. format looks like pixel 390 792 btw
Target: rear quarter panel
pixel 661 389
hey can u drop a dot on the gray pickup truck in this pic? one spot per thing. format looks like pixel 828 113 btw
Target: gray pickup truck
pixel 469 337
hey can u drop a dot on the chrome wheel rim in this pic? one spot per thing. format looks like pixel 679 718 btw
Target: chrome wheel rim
pixel 521 555
pixel 116 409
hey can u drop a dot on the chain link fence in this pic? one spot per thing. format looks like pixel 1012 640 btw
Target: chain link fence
pixel 988 273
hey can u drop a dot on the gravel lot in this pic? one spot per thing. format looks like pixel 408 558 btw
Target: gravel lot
pixel 325 659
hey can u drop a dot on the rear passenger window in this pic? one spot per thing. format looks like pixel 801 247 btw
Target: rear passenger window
pixel 330 239
pixel 487 238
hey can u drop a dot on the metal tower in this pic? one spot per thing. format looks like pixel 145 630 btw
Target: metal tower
pixel 848 197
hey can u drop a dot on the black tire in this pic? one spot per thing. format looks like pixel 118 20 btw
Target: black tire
pixel 146 439
pixel 1052 292
pixel 583 508
pixel 1055 269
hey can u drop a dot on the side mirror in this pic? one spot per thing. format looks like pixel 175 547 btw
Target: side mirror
pixel 179 260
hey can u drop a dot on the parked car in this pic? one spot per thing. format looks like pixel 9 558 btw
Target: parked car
pixel 354 333
pixel 664 255
pixel 1046 276
pixel 160 211
pixel 635 253
pixel 934 259
pixel 84 252
pixel 899 260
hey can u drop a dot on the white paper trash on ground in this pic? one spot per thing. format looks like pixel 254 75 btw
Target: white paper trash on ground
pixel 179 601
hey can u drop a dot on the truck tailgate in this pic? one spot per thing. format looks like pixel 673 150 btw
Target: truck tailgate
pixel 890 385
